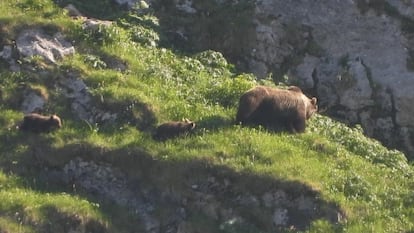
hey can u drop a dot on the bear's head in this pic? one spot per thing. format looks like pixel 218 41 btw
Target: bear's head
pixel 311 104
pixel 187 124
pixel 55 121
pixel 311 107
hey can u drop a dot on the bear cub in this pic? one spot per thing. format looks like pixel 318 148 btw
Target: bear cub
pixel 173 129
pixel 276 109
pixel 37 123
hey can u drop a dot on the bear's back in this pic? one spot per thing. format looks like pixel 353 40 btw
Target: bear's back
pixel 173 129
pixel 38 123
pixel 276 108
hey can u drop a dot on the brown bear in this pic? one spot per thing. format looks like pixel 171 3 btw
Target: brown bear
pixel 37 123
pixel 173 129
pixel 276 109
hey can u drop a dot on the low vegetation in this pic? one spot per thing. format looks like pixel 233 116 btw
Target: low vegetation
pixel 368 184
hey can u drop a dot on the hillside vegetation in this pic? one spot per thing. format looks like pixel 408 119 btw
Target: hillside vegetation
pixel 222 178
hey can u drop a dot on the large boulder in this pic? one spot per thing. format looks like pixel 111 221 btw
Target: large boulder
pixel 32 42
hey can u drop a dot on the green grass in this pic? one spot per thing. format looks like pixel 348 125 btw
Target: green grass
pixel 25 210
pixel 370 185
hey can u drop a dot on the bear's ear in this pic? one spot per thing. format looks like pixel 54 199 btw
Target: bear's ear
pixel 192 125
pixel 314 101
pixel 295 89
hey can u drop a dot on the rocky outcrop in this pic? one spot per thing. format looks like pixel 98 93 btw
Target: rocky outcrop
pixel 34 42
pixel 356 56
pixel 33 102
pixel 108 183
pixel 284 205
pixel 9 54
pixel 82 105
pixel 133 3
pixel 361 74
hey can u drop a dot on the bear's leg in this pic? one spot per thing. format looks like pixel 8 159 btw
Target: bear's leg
pixel 298 125
pixel 245 112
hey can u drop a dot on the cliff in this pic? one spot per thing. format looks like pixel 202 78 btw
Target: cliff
pixel 356 56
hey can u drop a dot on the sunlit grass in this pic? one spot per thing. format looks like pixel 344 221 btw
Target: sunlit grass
pixel 371 184
pixel 24 210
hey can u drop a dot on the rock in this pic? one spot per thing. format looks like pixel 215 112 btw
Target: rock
pixel 353 86
pixel 405 7
pixel 404 99
pixel 211 210
pixel 186 7
pixel 374 48
pixel 257 67
pixel 32 42
pixel 267 199
pixel 280 217
pixel 32 102
pixel 280 198
pixel 305 203
pixel 6 53
pixel 72 11
pixel 407 137
pixel 143 5
pixel 302 75
pixel 128 3
pixel 106 182
pixel 354 59
pixel 227 214
pixel 268 46
pixel 250 200
pixel 75 89
pixel 95 24
pixel 9 55
pixel 185 227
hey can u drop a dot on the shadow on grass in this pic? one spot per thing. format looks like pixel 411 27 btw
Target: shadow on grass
pixel 214 123
pixel 55 220
pixel 38 166
pixel 132 112
pixel 102 9
pixel 197 187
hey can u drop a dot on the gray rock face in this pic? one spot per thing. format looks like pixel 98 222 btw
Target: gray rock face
pixel 34 42
pixel 73 11
pixel 134 3
pixel 109 183
pixel 405 7
pixel 75 89
pixel 128 3
pixel 8 55
pixel 286 209
pixel 353 54
pixel 362 70
pixel 32 102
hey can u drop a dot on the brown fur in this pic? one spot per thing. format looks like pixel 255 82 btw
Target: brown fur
pixel 276 109
pixel 37 123
pixel 173 129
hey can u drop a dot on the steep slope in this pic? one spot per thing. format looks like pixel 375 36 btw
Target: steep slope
pixel 357 56
pixel 113 82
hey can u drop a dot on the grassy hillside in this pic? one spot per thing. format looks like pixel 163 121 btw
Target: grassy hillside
pixel 352 182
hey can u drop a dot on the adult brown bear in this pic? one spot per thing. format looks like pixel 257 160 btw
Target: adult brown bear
pixel 276 109
pixel 37 123
pixel 173 129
